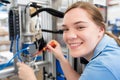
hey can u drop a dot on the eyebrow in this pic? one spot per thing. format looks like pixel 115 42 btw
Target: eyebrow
pixel 75 23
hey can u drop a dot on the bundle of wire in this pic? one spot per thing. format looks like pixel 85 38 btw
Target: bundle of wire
pixel 16 54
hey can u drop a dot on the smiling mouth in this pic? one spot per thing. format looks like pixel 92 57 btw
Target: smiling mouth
pixel 75 45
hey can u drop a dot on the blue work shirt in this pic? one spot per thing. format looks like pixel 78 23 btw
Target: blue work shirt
pixel 105 63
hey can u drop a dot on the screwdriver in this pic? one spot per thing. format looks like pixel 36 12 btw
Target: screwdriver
pixel 53 44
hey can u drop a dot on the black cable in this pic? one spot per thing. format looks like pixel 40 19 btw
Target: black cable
pixel 5 1
pixel 35 5
pixel 28 5
pixel 50 31
pixel 49 10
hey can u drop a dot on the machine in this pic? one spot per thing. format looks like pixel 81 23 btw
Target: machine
pixel 26 27
pixel 32 23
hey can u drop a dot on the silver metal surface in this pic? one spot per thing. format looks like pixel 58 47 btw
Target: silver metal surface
pixel 10 71
pixel 7 72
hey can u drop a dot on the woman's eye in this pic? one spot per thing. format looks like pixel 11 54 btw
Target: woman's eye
pixel 80 27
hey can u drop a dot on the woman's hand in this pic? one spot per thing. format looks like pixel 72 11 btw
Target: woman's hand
pixel 25 72
pixel 57 51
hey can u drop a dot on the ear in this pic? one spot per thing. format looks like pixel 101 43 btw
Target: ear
pixel 101 31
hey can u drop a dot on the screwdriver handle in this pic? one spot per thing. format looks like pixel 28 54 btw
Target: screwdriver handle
pixel 53 44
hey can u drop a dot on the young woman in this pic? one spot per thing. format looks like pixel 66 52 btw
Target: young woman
pixel 85 36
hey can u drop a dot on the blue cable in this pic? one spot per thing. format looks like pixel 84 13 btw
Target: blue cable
pixel 17 47
pixel 1 4
pixel 16 54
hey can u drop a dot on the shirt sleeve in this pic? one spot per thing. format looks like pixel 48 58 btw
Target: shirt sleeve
pixel 96 71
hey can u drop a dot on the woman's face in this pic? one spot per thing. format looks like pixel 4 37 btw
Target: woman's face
pixel 81 34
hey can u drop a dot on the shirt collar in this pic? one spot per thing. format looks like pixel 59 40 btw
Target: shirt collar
pixel 101 45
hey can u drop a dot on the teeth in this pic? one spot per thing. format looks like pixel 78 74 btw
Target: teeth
pixel 74 44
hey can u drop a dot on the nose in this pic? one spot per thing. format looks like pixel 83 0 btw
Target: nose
pixel 71 34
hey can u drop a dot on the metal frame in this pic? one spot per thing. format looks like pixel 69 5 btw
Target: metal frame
pixel 47 22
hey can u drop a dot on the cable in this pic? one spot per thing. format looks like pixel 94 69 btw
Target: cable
pixel 49 10
pixel 53 44
pixel 28 5
pixel 50 31
pixel 17 53
pixel 5 1
pixel 17 43
pixel 17 48
pixel 35 5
